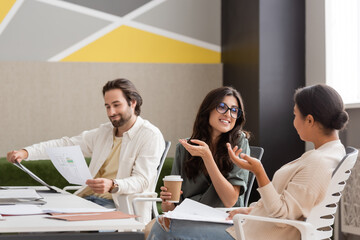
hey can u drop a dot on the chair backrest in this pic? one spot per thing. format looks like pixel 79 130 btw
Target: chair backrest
pixel 322 215
pixel 162 159
pixel 159 168
pixel 255 152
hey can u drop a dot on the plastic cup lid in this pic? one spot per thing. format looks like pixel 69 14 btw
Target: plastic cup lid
pixel 172 178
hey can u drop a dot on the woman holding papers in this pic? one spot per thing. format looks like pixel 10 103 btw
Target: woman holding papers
pixel 208 174
pixel 297 186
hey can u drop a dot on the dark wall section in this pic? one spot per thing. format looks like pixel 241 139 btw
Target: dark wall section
pixel 263 52
pixel 240 55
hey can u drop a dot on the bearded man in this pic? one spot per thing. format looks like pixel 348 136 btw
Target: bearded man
pixel 125 152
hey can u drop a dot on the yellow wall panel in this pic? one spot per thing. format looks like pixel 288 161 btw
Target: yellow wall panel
pixel 127 44
pixel 5 6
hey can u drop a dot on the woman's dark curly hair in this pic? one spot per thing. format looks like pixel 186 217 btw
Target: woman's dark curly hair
pixel 203 131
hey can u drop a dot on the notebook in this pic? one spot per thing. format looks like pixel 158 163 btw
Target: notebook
pixel 36 178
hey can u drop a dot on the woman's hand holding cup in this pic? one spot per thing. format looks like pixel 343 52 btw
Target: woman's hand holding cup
pixel 170 193
pixel 165 197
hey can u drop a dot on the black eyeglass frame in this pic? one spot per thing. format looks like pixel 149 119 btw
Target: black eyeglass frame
pixel 229 108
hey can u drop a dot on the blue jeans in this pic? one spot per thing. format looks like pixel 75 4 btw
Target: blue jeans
pixel 108 203
pixel 190 230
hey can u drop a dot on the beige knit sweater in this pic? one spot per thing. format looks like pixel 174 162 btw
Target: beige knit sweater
pixel 295 189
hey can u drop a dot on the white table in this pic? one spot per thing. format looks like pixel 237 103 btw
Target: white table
pixel 40 223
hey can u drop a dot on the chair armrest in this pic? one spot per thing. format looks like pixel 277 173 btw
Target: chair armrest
pixel 308 232
pixel 146 197
pixel 125 202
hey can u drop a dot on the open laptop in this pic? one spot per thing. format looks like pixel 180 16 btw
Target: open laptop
pixel 36 178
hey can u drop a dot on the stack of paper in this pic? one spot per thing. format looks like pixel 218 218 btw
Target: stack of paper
pixel 68 214
pixel 27 193
pixel 91 216
pixel 20 196
pixel 195 211
pixel 12 210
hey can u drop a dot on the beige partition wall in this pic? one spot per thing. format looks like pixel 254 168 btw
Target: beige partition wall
pixel 41 100
pixel 72 47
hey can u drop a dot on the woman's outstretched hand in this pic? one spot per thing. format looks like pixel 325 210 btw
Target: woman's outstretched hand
pixel 242 160
pixel 246 162
pixel 242 210
pixel 200 150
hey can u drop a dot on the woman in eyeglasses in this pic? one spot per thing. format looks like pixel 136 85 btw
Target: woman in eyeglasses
pixel 209 176
pixel 296 187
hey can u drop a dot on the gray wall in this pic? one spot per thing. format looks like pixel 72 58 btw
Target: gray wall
pixel 41 101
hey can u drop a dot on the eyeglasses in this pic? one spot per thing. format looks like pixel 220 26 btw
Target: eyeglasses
pixel 235 112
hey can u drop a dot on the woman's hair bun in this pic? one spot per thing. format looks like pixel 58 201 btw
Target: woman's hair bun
pixel 325 104
pixel 340 120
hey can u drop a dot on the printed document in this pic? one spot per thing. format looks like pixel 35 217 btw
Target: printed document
pixel 13 210
pixel 77 210
pixel 21 193
pixel 195 211
pixel 70 162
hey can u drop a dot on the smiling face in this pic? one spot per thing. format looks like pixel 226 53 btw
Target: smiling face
pixel 118 109
pixel 222 123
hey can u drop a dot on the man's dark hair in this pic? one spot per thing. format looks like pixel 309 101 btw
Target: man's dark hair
pixel 129 90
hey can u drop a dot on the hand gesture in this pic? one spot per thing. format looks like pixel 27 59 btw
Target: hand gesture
pixel 202 150
pixel 243 210
pixel 242 160
pixel 252 164
pixel 17 156
pixel 100 185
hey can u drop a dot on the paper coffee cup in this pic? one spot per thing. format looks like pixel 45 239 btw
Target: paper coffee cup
pixel 173 185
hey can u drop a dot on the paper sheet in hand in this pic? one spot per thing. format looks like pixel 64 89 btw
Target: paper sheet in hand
pixel 70 162
pixel 195 211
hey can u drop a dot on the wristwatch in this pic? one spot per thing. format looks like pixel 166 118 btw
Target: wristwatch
pixel 114 188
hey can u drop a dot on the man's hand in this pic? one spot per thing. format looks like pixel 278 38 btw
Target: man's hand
pixel 100 185
pixel 17 156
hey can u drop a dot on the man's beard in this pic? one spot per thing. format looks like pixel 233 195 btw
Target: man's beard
pixel 123 120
